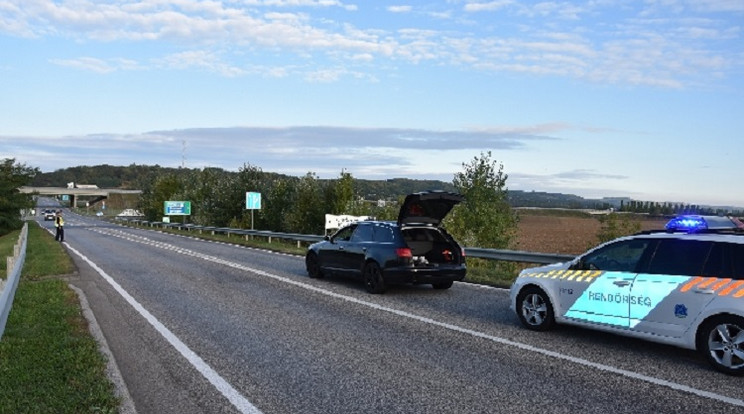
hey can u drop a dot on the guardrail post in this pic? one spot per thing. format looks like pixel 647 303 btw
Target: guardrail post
pixel 10 263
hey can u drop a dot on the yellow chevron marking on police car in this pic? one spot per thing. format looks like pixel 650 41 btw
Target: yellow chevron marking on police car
pixel 571 275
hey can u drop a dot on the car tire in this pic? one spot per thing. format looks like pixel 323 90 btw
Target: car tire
pixel 313 266
pixel 373 280
pixel 721 340
pixel 534 309
pixel 442 285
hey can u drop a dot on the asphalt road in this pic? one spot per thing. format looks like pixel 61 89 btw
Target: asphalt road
pixel 202 327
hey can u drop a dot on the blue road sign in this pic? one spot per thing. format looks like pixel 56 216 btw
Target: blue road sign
pixel 253 201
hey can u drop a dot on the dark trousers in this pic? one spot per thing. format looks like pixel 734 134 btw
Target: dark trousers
pixel 60 236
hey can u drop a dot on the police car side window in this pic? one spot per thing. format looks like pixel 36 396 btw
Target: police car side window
pixel 719 261
pixel 736 253
pixel 679 257
pixel 622 256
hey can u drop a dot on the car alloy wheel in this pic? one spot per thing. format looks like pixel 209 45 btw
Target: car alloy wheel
pixel 312 266
pixel 535 310
pixel 724 344
pixel 373 281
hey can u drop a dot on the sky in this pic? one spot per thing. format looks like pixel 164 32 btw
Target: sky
pixel 598 98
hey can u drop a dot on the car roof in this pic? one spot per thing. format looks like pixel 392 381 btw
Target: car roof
pixel 708 236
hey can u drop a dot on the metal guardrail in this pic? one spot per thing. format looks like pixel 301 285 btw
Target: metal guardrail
pixel 15 265
pixel 477 252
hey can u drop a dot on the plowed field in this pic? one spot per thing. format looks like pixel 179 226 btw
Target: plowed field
pixel 564 235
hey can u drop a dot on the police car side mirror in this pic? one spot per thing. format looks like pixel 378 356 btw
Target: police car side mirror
pixel 578 265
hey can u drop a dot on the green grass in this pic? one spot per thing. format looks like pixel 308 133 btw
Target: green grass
pixel 44 256
pixel 49 362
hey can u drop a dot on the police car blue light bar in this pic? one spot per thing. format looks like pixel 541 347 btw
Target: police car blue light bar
pixel 693 223
pixel 687 223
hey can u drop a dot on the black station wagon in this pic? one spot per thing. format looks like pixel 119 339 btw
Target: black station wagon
pixel 413 250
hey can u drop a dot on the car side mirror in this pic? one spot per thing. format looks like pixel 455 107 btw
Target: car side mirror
pixel 578 265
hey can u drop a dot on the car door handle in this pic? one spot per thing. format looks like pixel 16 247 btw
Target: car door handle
pixel 341 247
pixel 621 283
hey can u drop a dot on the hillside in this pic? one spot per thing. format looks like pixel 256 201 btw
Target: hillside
pixel 141 176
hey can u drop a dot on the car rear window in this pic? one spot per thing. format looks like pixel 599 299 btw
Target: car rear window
pixel 680 257
pixel 384 234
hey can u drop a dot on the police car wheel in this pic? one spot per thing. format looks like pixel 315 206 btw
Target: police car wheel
pixel 534 309
pixel 722 342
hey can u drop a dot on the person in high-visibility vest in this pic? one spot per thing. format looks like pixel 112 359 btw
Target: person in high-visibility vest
pixel 59 223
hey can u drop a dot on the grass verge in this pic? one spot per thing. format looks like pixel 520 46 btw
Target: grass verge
pixel 49 362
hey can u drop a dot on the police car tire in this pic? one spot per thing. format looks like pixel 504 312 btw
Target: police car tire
pixel 535 295
pixel 709 333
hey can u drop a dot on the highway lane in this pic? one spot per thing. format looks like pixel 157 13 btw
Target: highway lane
pixel 276 341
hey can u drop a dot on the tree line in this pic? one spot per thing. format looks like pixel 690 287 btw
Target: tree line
pixel 669 209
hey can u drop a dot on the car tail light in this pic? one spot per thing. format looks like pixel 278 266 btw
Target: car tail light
pixel 404 253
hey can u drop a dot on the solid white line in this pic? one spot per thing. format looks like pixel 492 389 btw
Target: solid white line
pixel 503 341
pixel 240 402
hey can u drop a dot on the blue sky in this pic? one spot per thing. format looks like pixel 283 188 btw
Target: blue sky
pixel 598 98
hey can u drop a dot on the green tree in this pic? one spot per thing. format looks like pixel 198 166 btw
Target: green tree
pixel 168 187
pixel 340 194
pixel 277 204
pixel 308 212
pixel 12 201
pixel 616 225
pixel 485 218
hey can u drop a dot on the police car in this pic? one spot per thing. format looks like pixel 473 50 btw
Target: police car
pixel 682 286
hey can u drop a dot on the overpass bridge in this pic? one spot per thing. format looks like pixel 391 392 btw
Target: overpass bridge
pixel 75 192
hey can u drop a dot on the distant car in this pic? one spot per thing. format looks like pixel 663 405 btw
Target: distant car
pixel 413 250
pixel 682 286
pixel 49 215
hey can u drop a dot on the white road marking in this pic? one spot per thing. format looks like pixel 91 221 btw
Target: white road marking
pixel 482 335
pixel 240 402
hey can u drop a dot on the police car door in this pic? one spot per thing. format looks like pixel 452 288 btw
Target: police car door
pixel 668 295
pixel 606 300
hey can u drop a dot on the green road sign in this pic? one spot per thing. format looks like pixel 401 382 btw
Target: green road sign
pixel 177 208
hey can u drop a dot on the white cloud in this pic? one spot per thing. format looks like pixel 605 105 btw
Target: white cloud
pixel 399 9
pixel 86 63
